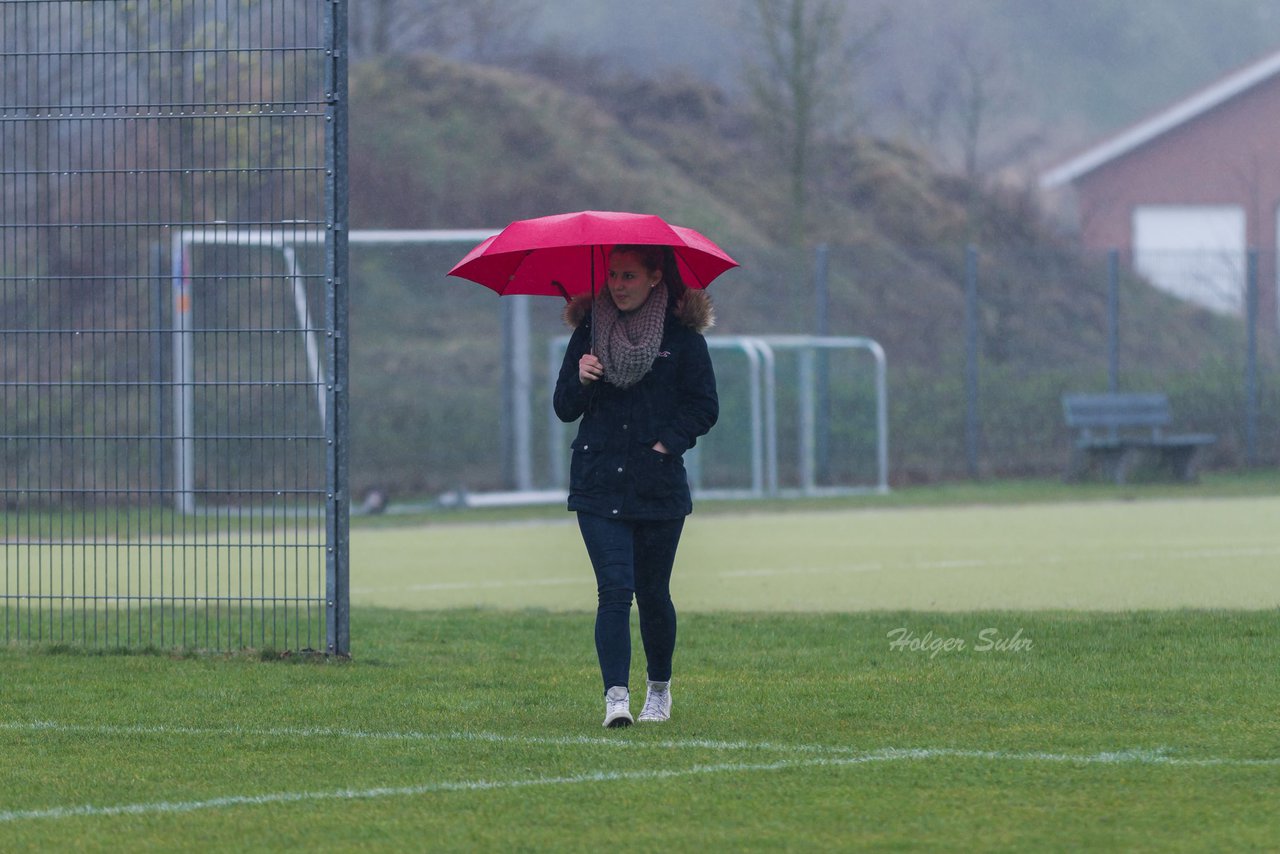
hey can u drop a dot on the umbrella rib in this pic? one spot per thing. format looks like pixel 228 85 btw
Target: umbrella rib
pixel 692 272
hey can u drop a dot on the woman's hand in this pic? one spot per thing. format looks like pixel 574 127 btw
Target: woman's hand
pixel 660 448
pixel 590 369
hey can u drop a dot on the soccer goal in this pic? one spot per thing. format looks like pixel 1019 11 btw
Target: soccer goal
pixel 250 394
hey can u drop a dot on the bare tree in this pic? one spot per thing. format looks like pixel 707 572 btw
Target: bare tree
pixel 969 109
pixel 469 29
pixel 798 76
pixel 492 28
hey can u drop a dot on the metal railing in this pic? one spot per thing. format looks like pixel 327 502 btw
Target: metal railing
pixel 760 354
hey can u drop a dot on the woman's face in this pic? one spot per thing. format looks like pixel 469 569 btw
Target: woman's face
pixel 630 283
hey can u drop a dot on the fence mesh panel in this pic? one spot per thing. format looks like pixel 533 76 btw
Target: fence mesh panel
pixel 431 398
pixel 166 313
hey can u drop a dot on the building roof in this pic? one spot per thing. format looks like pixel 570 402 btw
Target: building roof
pixel 1162 122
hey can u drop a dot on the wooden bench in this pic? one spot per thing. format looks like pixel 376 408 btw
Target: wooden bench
pixel 1116 429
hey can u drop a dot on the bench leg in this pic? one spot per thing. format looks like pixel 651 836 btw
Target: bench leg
pixel 1181 462
pixel 1076 464
pixel 1114 462
pixel 1120 463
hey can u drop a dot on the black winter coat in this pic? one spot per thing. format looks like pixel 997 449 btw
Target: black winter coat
pixel 615 472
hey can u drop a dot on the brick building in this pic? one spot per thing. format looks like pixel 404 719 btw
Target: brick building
pixel 1186 192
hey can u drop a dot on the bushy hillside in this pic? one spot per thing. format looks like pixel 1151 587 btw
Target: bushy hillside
pixel 438 144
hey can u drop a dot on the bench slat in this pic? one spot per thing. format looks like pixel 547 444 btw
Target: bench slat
pixel 1116 410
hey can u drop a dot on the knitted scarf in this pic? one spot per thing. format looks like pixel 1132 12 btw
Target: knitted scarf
pixel 627 342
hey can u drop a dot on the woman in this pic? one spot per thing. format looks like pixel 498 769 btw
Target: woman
pixel 638 374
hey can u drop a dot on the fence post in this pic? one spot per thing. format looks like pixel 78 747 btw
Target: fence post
pixel 338 506
pixel 971 418
pixel 157 292
pixel 822 328
pixel 807 405
pixel 1113 320
pixel 1251 361
pixel 183 381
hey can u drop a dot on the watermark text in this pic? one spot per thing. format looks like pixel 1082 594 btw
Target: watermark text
pixel 990 639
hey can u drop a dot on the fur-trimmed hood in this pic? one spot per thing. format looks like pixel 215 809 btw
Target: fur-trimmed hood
pixel 693 310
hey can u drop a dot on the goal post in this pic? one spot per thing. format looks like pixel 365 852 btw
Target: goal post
pixel 283 242
pixel 286 245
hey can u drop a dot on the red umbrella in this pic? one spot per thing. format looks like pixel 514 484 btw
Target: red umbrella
pixel 567 254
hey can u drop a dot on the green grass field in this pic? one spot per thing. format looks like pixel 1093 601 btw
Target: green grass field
pixel 957 676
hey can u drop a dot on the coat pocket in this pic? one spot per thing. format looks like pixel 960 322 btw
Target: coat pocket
pixel 659 475
pixel 585 468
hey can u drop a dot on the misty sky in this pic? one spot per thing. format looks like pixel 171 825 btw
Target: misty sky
pixel 1075 69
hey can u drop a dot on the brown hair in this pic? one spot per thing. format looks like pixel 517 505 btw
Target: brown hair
pixel 657 257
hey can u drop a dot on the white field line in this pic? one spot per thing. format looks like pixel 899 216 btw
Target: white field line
pixel 584 580
pixel 802 570
pixel 887 755
pixel 411 735
pixel 1036 560
pixel 836 569
pixel 850 757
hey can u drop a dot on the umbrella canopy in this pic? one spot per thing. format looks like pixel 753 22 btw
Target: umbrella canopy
pixel 567 254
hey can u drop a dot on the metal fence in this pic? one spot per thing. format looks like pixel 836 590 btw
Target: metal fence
pixel 172 379
pixel 984 341
pixel 981 344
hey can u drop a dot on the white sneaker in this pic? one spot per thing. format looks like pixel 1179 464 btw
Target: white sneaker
pixel 617 707
pixel 657 702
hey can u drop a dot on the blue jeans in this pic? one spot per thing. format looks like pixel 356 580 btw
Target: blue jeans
pixel 633 557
